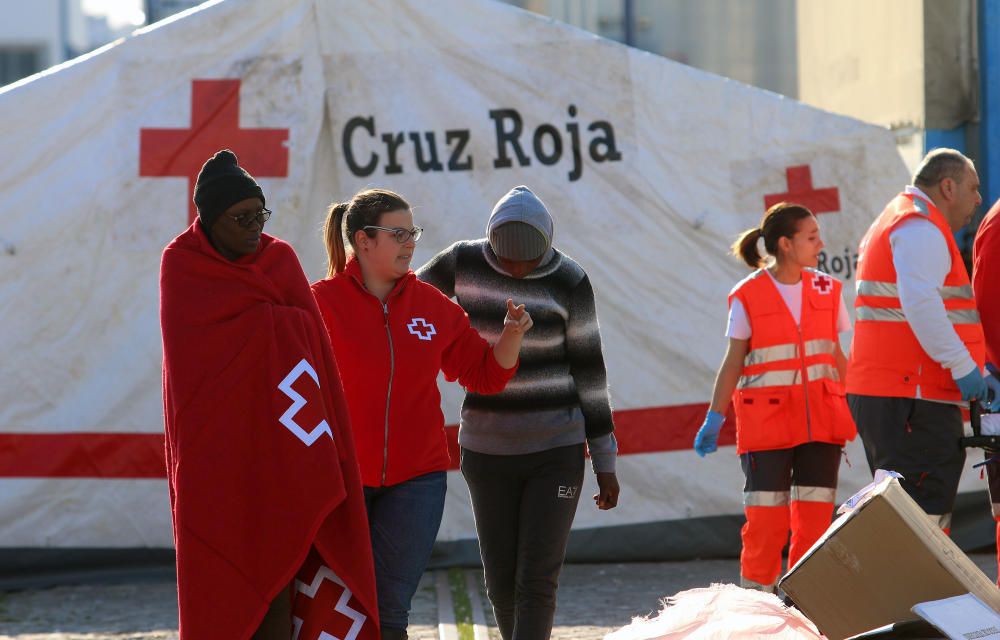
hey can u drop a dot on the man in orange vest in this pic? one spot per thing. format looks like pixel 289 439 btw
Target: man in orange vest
pixel 986 260
pixel 918 353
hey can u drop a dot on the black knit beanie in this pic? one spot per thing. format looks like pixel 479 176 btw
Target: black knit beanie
pixel 221 184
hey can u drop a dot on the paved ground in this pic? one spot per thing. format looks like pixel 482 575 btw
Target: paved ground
pixel 593 600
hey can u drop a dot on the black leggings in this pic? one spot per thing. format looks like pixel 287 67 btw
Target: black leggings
pixel 524 506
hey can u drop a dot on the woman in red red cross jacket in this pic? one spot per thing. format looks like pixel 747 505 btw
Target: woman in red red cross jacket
pixel 784 373
pixel 392 335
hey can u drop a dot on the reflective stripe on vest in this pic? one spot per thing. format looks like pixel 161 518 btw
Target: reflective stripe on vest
pixel 788 377
pixel 877 289
pixel 890 290
pixel 816 347
pixel 789 351
pixel 883 314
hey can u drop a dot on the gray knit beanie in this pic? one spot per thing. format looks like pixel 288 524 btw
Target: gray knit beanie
pixel 520 227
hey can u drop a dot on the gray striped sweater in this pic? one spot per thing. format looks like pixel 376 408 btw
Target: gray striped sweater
pixel 559 395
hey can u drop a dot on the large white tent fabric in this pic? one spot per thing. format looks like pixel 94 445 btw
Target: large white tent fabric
pixel 650 168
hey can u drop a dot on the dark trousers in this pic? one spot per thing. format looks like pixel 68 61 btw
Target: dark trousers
pixel 524 506
pixel 277 622
pixel 992 465
pixel 993 478
pixel 919 439
pixel 813 464
pixel 404 519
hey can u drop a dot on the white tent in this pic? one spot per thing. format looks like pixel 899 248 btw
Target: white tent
pixel 650 167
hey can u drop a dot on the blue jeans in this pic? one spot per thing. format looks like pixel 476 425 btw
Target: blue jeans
pixel 404 519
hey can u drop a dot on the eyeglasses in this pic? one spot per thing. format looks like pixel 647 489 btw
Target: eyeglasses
pixel 247 219
pixel 401 235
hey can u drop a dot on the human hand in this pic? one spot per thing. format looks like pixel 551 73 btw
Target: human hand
pixel 517 320
pixel 994 391
pixel 607 491
pixel 707 440
pixel 973 386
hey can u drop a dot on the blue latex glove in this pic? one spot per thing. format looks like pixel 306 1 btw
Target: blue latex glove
pixel 973 386
pixel 994 386
pixel 707 440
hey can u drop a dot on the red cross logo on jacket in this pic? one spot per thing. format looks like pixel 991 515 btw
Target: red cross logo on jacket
pixel 422 329
pixel 822 283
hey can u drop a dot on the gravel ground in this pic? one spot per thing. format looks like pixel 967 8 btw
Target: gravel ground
pixel 593 600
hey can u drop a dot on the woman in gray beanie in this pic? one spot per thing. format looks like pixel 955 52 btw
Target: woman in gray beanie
pixel 523 448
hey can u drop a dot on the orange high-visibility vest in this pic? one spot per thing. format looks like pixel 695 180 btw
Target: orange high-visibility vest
pixel 790 391
pixel 886 358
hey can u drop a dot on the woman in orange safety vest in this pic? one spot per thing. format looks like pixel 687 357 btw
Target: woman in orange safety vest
pixel 784 372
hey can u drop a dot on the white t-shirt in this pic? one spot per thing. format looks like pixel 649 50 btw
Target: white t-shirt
pixel 739 323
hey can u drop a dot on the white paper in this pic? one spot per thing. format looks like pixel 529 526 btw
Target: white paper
pixel 961 617
pixel 852 502
pixel 990 424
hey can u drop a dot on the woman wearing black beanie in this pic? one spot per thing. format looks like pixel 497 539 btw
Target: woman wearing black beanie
pixel 263 478
pixel 230 206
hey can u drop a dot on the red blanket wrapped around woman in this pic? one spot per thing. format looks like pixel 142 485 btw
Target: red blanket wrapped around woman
pixel 260 459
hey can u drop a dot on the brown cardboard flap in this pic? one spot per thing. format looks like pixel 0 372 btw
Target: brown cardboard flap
pixel 874 563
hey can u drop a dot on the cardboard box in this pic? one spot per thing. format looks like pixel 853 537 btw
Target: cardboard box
pixel 874 563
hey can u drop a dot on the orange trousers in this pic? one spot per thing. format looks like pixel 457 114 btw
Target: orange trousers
pixel 787 491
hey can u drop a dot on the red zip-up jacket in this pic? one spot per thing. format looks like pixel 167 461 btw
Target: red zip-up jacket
pixel 389 355
pixel 986 260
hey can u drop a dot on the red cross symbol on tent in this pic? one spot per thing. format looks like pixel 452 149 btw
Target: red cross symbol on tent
pixel 322 609
pixel 215 125
pixel 801 191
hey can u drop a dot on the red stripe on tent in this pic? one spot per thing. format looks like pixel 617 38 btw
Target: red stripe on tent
pixel 141 455
pixel 648 430
pixel 82 455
